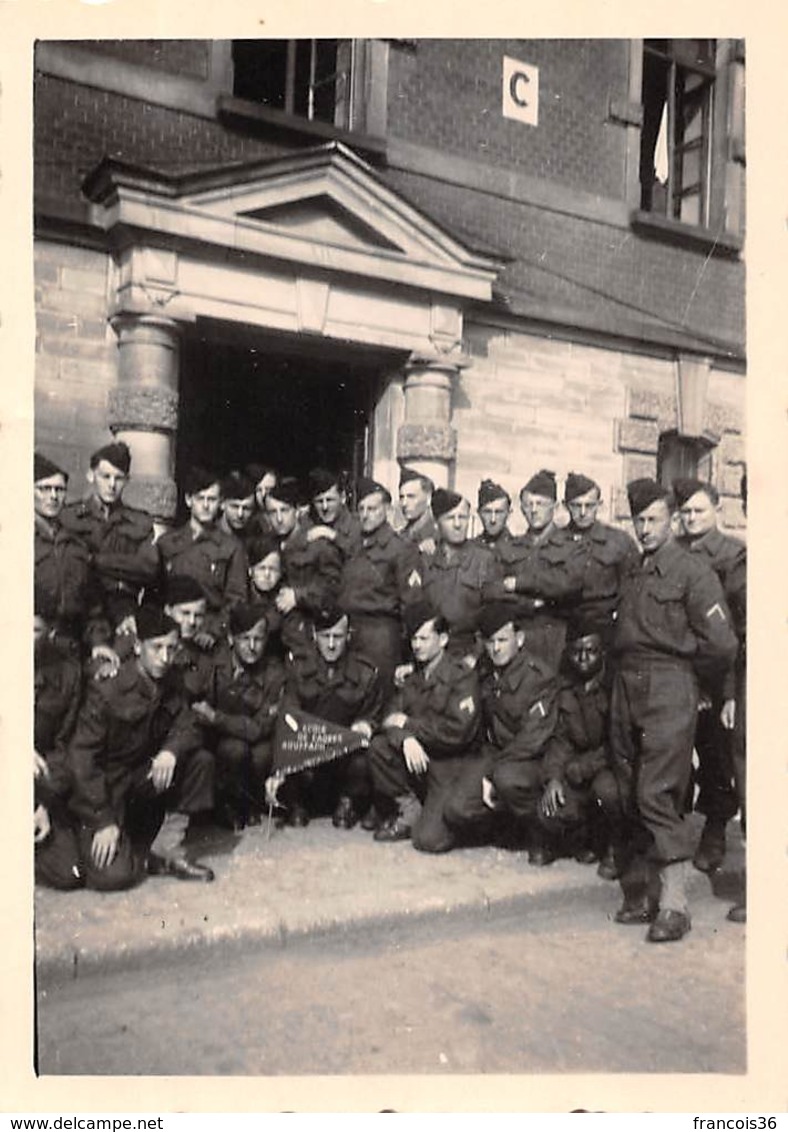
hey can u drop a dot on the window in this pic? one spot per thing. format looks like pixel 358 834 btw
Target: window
pixel 676 141
pixel 682 457
pixel 309 78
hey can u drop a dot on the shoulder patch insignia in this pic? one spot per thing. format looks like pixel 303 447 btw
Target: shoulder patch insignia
pixel 467 705
pixel 414 578
pixel 716 608
pixel 538 706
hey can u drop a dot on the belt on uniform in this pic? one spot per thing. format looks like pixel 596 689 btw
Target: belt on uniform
pixel 636 661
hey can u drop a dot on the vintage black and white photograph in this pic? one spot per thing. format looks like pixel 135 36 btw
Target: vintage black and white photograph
pixel 389 599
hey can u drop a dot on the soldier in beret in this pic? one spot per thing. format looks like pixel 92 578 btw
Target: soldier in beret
pixel 186 604
pixel 519 712
pixel 538 572
pixel 581 795
pixel 415 492
pixel 494 507
pixel 138 767
pixel 607 554
pixel 673 631
pixel 697 504
pixel 203 551
pixel 312 569
pixel 238 703
pixel 455 575
pixel 63 568
pixel 431 727
pixel 340 687
pixel 378 581
pixel 237 507
pixel 120 538
pixel 328 512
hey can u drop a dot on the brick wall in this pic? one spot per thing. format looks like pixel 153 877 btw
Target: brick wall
pixel 76 356
pixel 448 94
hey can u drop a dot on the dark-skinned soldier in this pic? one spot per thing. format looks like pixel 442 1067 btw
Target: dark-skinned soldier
pixel 673 631
pixel 697 504
pixel 519 713
pixel 430 728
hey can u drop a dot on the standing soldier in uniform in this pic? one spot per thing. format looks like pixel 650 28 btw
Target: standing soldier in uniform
pixel 673 628
pixel 608 555
pixel 519 712
pixel 119 537
pixel 431 728
pixel 494 507
pixel 697 503
pixel 237 510
pixel 415 492
pixel 329 515
pixel 378 580
pixel 264 479
pixel 339 687
pixel 135 755
pixel 238 703
pixel 203 551
pixel 312 569
pixel 455 575
pixel 538 572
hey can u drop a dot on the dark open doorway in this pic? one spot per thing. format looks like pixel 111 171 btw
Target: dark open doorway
pixel 282 401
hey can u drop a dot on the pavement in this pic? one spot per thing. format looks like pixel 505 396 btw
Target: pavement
pixel 271 890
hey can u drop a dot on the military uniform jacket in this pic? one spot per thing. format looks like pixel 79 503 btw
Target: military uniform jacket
pixel 120 540
pixel 57 690
pixel 545 568
pixel 343 693
pixel 424 528
pixel 453 583
pixel 607 555
pixel 674 606
pixel 581 730
pixel 191 669
pixel 124 723
pixel 443 709
pixel 216 560
pixel 483 539
pixel 246 699
pixel 381 576
pixel 63 571
pixel 727 557
pixel 519 704
pixel 312 569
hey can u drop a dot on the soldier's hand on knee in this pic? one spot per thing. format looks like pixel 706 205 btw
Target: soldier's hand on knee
pixel 40 768
pixel 489 794
pixel 416 758
pixel 552 799
pixel 41 824
pixel 105 846
pixel 162 771
pixel 728 715
pixel 395 719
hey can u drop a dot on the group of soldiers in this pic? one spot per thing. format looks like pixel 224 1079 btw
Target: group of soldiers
pixel 545 691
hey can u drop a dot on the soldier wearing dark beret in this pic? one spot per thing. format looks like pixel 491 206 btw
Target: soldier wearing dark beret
pixel 431 727
pixel 238 506
pixel 312 568
pixel 138 767
pixel 340 687
pixel 186 604
pixel 607 554
pixel 697 504
pixel 202 550
pixel 519 713
pixel 494 506
pixel 415 492
pixel 538 573
pixel 673 631
pixel 238 703
pixel 328 513
pixel 454 576
pixel 120 538
pixel 378 581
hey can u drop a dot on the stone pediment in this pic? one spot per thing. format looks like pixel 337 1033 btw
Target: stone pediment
pixel 324 209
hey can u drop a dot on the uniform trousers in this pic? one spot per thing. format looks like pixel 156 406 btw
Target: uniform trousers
pixel 717 797
pixel 392 783
pixel 517 781
pixel 241 771
pixel 379 640
pixel 583 808
pixel 319 788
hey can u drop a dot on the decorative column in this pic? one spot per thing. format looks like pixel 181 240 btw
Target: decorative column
pixel 427 441
pixel 143 408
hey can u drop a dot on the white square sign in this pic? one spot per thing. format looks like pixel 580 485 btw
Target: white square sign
pixel 520 91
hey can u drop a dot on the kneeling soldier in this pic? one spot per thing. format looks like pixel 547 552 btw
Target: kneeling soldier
pixel 431 728
pixel 340 687
pixel 519 705
pixel 581 795
pixel 136 755
pixel 238 705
